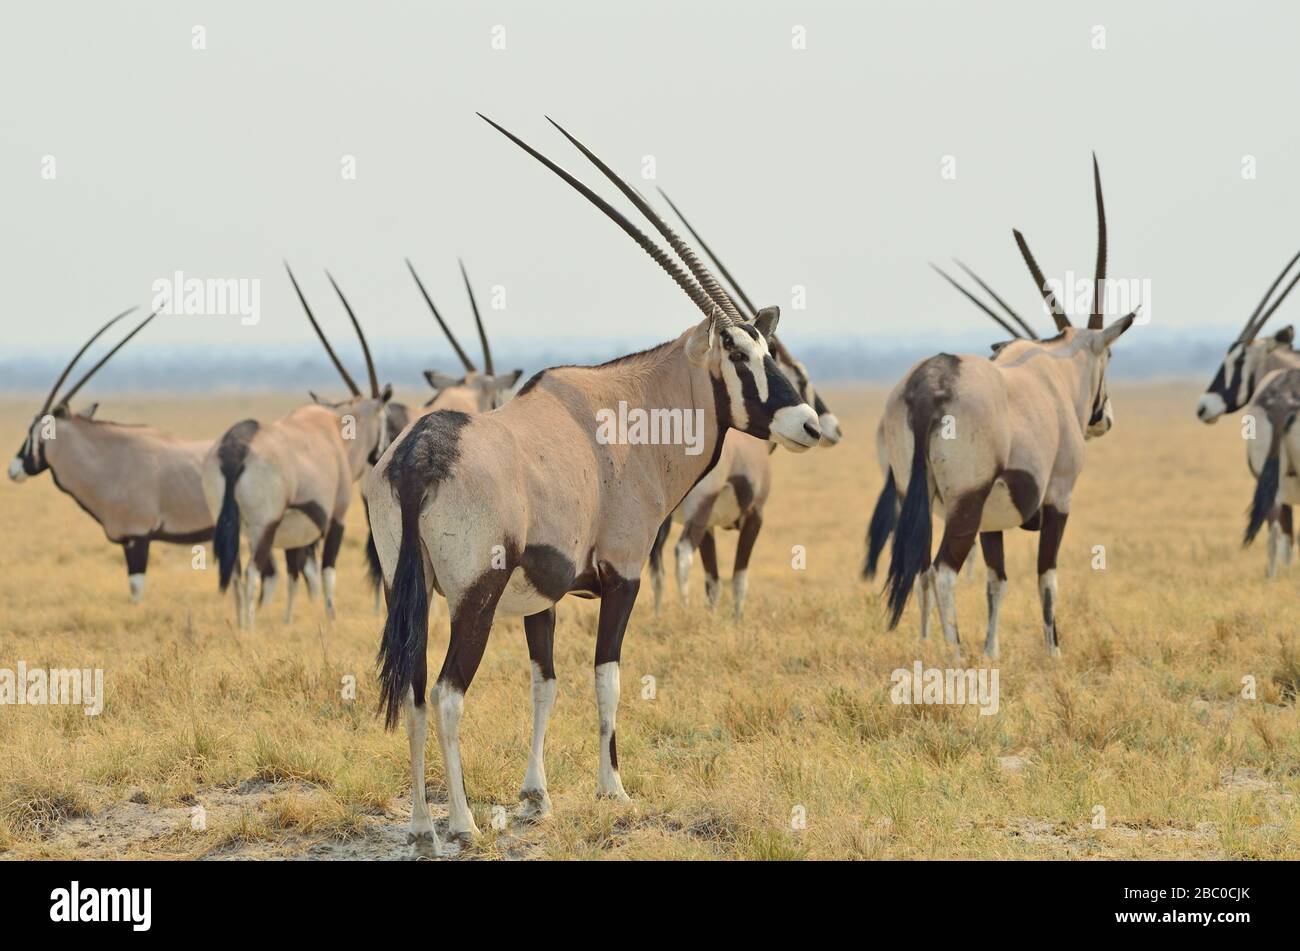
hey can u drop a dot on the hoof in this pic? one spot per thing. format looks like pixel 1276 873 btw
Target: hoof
pixel 534 805
pixel 613 795
pixel 423 846
pixel 991 654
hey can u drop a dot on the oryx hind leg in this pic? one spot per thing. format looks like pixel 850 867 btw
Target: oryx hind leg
pixel 959 531
pixel 329 556
pixel 696 524
pixel 1049 544
pixel 709 559
pixel 295 562
pixel 259 563
pixel 749 529
pixel 471 623
pixel 1288 534
pixel 657 561
pixel 991 546
pixel 534 802
pixel 925 598
pixel 422 839
pixel 311 572
pixel 618 595
pixel 1274 544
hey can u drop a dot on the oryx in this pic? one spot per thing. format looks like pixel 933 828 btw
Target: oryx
pixel 508 511
pixel 139 483
pixel 885 512
pixel 287 484
pixel 733 493
pixel 1249 360
pixel 475 392
pixel 996 444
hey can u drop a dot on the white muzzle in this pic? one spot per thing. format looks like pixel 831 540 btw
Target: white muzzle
pixel 795 427
pixel 16 470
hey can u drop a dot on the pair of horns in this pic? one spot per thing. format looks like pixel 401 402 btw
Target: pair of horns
pixel 54 390
pixel 699 285
pixel 338 364
pixel 1097 320
pixel 478 320
pixel 1260 316
pixel 1028 331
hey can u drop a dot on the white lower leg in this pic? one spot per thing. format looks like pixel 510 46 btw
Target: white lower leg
pixel 945 587
pixel 417 734
pixel 1274 538
pixel 608 784
pixel 1286 551
pixel 685 555
pixel 739 587
pixel 136 583
pixel 311 572
pixel 997 589
pixel 290 589
pixel 1047 594
pixel 448 705
pixel 252 581
pixel 329 578
pixel 925 589
pixel 533 795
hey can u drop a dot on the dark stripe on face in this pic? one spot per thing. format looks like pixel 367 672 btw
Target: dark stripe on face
pixel 1227 383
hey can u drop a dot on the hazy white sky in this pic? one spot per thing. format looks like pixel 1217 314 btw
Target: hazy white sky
pixel 818 167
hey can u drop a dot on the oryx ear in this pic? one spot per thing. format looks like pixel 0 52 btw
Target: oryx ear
pixel 315 399
pixel 1112 333
pixel 89 411
pixel 700 342
pixel 766 320
pixel 508 380
pixel 387 393
pixel 1285 336
pixel 439 380
pixel 997 347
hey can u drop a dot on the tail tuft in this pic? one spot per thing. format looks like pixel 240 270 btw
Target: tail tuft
pixel 883 519
pixel 406 631
pixel 910 554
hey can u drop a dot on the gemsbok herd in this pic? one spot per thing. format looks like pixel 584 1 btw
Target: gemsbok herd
pixel 502 502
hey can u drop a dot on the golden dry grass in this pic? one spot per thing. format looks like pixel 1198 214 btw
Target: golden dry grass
pixel 1143 715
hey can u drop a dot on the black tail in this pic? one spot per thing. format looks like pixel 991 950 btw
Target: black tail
pixel 911 552
pixel 407 629
pixel 225 538
pixel 1265 498
pixel 883 520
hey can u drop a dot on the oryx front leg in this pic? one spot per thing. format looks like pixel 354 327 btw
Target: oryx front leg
pixel 709 558
pixel 618 595
pixel 991 546
pixel 924 598
pixel 749 530
pixel 137 562
pixel 1274 546
pixel 1049 543
pixel 534 801
pixel 329 555
pixel 657 561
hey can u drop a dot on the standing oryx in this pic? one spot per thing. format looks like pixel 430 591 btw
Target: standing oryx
pixel 732 494
pixel 511 510
pixel 997 444
pixel 288 483
pixel 1240 380
pixel 139 483
pixel 885 513
pixel 474 392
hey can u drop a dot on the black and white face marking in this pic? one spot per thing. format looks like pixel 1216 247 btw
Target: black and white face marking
pixel 797 374
pixel 30 459
pixel 1234 384
pixel 1100 416
pixel 762 400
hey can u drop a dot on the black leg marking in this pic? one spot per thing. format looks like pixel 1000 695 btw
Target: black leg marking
pixel 540 631
pixel 471 623
pixel 750 526
pixel 1049 543
pixel 657 549
pixel 960 529
pixel 618 595
pixel 137 554
pixel 333 539
pixel 709 554
pixel 1288 531
pixel 991 546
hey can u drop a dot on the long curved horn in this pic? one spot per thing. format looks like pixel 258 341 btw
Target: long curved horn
pixel 63 400
pixel 706 305
pixel 334 357
pixel 702 275
pixel 365 348
pixel 1029 331
pixel 1281 297
pixel 455 345
pixel 54 390
pixel 1058 315
pixel 976 301
pixel 482 334
pixel 1098 319
pixel 722 268
pixel 1252 325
